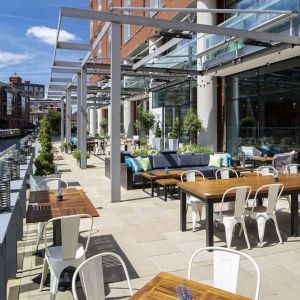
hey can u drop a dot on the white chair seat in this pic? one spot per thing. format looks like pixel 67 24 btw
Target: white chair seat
pixel 225 213
pixel 257 210
pixel 55 253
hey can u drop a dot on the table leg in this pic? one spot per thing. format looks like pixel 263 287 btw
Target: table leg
pixel 143 184
pixel 3 278
pixel 157 189
pixel 165 192
pixel 209 224
pixel 152 188
pixel 182 210
pixel 294 214
pixel 57 233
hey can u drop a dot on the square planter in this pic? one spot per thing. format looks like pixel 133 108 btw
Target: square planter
pixel 173 144
pixel 157 144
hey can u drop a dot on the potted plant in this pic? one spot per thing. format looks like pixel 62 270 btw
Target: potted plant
pixel 192 125
pixel 65 147
pixel 77 155
pixel 174 136
pixel 59 194
pixel 103 126
pixel 157 140
pixel 145 121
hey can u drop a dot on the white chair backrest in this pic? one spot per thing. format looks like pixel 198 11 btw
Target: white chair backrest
pixel 226 268
pixel 266 171
pixel 52 184
pixel 70 233
pixel 190 175
pixel 91 277
pixel 292 168
pixel 241 194
pixel 224 173
pixel 274 193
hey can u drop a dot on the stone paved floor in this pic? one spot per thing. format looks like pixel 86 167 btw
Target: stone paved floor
pixel 145 231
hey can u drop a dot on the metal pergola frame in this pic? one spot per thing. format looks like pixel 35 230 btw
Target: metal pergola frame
pixel 80 70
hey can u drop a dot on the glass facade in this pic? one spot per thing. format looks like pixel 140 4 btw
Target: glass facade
pixel 174 101
pixel 263 108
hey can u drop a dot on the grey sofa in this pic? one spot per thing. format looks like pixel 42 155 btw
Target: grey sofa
pixel 192 161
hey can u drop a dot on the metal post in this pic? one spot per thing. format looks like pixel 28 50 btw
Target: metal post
pixel 115 113
pixel 83 117
pixel 68 116
pixel 62 121
pixel 79 123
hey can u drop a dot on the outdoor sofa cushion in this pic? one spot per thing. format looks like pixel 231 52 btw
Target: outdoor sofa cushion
pixel 193 159
pixel 165 161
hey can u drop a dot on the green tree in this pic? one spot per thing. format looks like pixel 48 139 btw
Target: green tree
pixel 192 125
pixel 145 121
pixel 157 131
pixel 54 119
pixel 174 134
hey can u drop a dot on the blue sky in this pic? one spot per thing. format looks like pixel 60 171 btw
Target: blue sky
pixel 27 34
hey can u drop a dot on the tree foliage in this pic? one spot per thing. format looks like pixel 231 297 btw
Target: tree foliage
pixel 157 131
pixel 145 121
pixel 53 118
pixel 192 125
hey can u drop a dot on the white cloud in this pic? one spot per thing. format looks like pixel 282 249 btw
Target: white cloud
pixel 48 35
pixel 10 58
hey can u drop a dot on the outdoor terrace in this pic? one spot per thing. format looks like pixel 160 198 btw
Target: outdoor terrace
pixel 145 232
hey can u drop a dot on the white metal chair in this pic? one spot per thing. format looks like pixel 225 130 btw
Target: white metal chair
pixel 236 216
pixel 91 277
pixel 226 268
pixel 264 213
pixel 266 171
pixel 224 173
pixel 196 204
pixel 69 254
pixel 292 168
pixel 45 185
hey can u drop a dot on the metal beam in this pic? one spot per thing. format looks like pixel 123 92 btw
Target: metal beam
pixel 73 46
pixel 173 24
pixel 65 70
pixel 157 52
pixel 58 86
pixel 56 79
pixel 62 121
pixel 62 89
pixel 83 118
pixel 79 123
pixel 211 10
pixel 115 114
pixel 68 116
pixel 96 43
pixel 72 64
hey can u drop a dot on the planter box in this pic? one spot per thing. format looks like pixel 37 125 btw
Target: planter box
pixel 157 144
pixel 78 161
pixel 173 144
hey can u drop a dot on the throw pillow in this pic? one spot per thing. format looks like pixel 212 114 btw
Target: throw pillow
pixel 146 165
pixel 214 161
pixel 229 160
pixel 248 151
pixel 136 165
pixel 128 161
pixel 223 159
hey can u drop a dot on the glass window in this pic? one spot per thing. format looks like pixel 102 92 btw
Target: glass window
pixel 99 4
pixel 126 27
pixel 109 2
pixel 154 4
pixel 99 52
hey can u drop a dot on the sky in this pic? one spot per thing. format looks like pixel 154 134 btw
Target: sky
pixel 28 33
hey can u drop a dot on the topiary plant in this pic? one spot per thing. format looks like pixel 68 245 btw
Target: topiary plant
pixel 192 125
pixel 174 134
pixel 157 131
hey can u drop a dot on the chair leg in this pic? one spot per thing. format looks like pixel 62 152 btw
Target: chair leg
pixel 277 228
pixel 229 228
pixel 261 226
pixel 54 281
pixel 243 227
pixel 194 215
pixel 40 232
pixel 44 274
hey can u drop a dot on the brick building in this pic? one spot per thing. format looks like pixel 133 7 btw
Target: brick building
pixel 14 107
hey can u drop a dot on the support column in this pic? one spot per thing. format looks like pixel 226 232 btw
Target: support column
pixel 109 120
pixel 62 121
pixel 115 113
pixel 99 120
pixel 128 118
pixel 68 116
pixel 83 117
pixel 79 124
pixel 93 120
pixel 207 86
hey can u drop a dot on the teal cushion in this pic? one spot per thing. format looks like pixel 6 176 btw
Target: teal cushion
pixel 136 165
pixel 223 159
pixel 128 162
pixel 229 160
pixel 214 161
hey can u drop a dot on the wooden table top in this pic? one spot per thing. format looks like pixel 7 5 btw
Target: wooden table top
pixel 167 181
pixel 173 173
pixel 262 158
pixel 43 205
pixel 163 287
pixel 212 189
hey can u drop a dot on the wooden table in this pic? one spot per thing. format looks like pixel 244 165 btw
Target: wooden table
pixel 163 287
pixel 152 176
pixel 211 191
pixel 43 206
pixel 166 183
pixel 262 160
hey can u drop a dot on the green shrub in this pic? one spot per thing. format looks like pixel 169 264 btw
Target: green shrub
pixel 143 142
pixel 194 149
pixel 192 125
pixel 174 134
pixel 77 154
pixel 247 122
pixel 145 152
pixel 157 131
